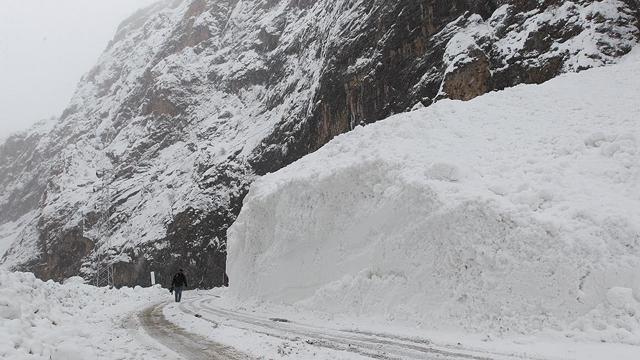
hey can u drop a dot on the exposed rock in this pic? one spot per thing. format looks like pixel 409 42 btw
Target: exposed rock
pixel 469 80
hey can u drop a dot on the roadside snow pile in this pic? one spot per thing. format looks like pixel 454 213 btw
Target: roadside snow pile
pixel 515 212
pixel 47 320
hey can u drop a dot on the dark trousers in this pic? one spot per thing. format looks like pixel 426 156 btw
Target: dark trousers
pixel 178 292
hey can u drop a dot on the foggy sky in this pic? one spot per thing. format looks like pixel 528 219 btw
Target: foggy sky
pixel 45 47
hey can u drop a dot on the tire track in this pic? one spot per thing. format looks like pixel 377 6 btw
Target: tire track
pixel 378 346
pixel 189 346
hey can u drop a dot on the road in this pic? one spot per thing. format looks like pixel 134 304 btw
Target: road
pixel 189 346
pixel 370 345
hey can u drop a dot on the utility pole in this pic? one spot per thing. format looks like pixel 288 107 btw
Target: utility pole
pixel 104 264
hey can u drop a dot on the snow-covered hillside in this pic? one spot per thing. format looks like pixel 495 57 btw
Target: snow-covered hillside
pixel 194 99
pixel 514 212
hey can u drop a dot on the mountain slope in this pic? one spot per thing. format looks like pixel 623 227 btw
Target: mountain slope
pixel 193 100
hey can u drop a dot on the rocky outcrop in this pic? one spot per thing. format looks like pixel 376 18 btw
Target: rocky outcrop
pixel 468 79
pixel 193 100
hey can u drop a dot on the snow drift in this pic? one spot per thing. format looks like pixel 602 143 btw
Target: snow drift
pixel 70 321
pixel 513 212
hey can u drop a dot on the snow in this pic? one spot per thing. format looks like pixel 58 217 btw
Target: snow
pixel 514 213
pixel 10 231
pixel 242 325
pixel 458 48
pixel 259 344
pixel 499 38
pixel 47 320
pixel 584 49
pixel 225 110
pixel 22 231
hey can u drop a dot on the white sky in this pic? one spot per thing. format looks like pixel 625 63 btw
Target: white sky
pixel 45 47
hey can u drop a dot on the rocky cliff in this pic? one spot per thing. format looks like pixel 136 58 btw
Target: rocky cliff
pixel 194 99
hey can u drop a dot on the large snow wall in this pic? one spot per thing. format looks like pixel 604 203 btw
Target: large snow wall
pixel 516 211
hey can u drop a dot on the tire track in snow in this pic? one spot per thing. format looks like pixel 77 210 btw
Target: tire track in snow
pixel 189 346
pixel 378 346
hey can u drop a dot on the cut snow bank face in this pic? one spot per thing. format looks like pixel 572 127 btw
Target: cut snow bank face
pixel 517 211
pixel 47 320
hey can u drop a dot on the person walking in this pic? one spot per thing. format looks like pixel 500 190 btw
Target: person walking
pixel 179 282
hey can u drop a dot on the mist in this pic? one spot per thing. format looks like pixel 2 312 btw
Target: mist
pixel 45 48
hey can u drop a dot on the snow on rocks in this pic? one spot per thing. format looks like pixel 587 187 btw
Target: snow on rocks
pixel 537 39
pixel 47 320
pixel 512 213
pixel 591 47
pixel 194 99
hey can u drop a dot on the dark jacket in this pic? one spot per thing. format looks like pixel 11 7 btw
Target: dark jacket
pixel 179 280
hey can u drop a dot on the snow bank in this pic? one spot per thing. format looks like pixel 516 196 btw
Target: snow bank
pixel 47 320
pixel 514 212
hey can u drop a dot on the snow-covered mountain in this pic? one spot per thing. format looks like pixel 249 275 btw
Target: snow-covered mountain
pixel 195 99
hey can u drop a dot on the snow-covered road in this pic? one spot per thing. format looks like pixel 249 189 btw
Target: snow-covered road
pixel 189 346
pixel 166 323
pixel 74 321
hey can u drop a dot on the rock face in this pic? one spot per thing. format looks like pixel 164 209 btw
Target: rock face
pixel 192 100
